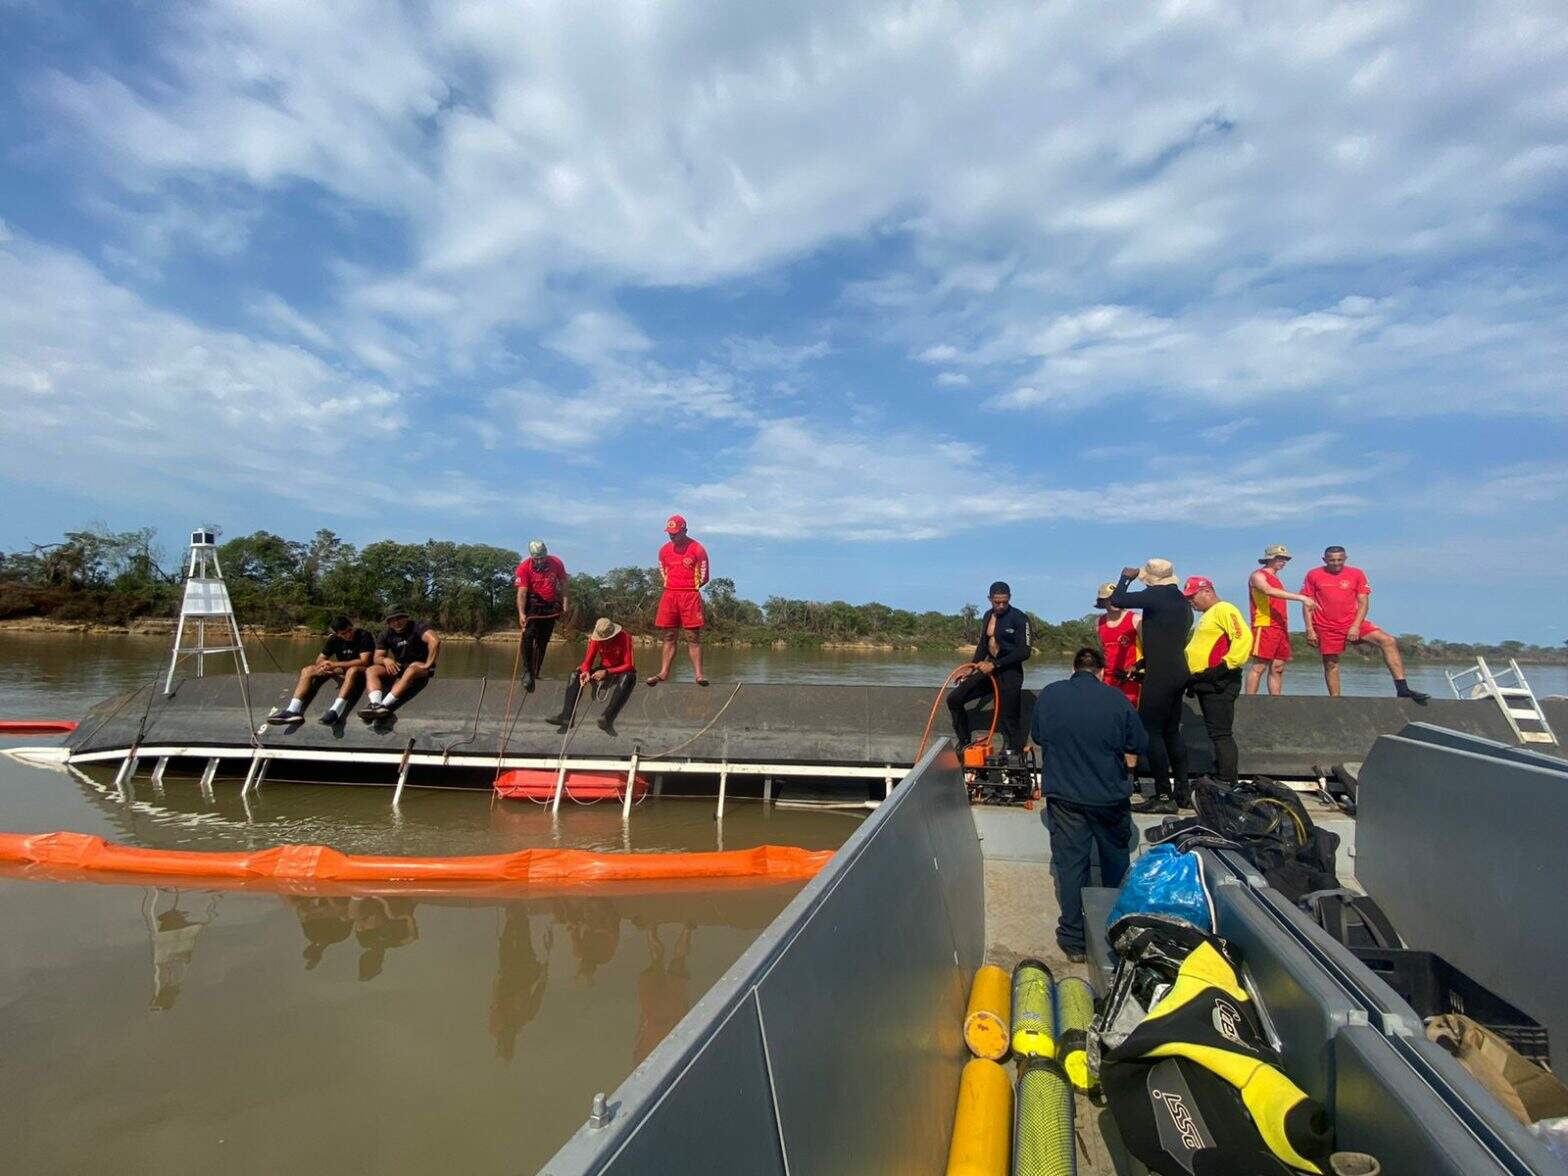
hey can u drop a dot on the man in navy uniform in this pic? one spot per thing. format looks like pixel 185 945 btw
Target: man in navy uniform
pixel 999 657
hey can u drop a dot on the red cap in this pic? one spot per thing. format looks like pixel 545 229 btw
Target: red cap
pixel 675 526
pixel 1195 585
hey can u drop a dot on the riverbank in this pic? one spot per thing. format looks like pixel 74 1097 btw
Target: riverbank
pixel 162 628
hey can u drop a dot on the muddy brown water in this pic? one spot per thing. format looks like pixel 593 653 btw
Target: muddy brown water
pixel 161 1030
pixel 182 1031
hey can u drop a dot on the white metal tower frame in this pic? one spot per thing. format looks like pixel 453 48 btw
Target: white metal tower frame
pixel 206 601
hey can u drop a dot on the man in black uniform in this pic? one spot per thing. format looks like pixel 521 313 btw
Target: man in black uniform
pixel 999 657
pixel 405 656
pixel 343 659
pixel 1167 619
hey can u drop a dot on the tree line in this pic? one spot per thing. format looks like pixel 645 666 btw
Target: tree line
pixel 102 577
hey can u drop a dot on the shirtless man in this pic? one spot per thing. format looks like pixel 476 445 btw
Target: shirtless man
pixel 1340 619
pixel 1270 620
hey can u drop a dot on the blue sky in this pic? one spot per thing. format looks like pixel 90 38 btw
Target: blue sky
pixel 889 299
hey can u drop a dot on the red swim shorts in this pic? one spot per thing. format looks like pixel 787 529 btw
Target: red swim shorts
pixel 1333 641
pixel 1271 643
pixel 679 609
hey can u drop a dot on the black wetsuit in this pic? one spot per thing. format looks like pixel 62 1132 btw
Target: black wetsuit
pixel 542 615
pixel 1167 620
pixel 1012 643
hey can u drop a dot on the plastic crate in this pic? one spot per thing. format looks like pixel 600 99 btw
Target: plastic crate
pixel 1432 987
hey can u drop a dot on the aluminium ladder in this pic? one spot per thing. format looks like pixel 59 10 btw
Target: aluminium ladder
pixel 1513 694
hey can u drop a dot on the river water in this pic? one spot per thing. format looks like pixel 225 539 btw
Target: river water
pixel 172 1031
pixel 182 1031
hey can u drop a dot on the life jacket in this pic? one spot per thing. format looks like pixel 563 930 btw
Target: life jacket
pixel 1185 1064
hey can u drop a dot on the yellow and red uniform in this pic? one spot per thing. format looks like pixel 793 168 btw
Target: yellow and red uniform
pixel 1270 621
pixel 1221 636
pixel 1123 646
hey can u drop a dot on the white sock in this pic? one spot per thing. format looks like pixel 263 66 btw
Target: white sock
pixel 338 706
pixel 390 699
pixel 295 706
pixel 375 698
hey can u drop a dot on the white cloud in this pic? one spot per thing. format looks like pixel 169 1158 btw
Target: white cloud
pixel 898 486
pixel 105 393
pixel 1176 148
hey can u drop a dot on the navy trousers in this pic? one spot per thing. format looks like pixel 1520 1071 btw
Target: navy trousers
pixel 1076 831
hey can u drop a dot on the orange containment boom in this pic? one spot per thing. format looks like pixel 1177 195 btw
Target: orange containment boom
pixel 319 863
pixel 36 726
pixel 539 784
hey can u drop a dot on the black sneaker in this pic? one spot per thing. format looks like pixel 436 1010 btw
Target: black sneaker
pixel 606 726
pixel 528 682
pixel 331 718
pixel 1413 694
pixel 560 722
pixel 372 711
pixel 1163 805
pixel 285 718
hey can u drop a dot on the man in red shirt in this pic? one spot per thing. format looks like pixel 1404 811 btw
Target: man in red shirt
pixel 1342 594
pixel 608 666
pixel 1270 619
pixel 683 563
pixel 541 599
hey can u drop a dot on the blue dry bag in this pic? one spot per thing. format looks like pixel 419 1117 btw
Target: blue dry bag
pixel 1165 881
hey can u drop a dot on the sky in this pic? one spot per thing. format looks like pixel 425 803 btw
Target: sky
pixel 889 300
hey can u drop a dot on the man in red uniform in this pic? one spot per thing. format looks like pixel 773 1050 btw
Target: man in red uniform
pixel 683 563
pixel 1118 630
pixel 608 666
pixel 1270 620
pixel 1342 594
pixel 541 599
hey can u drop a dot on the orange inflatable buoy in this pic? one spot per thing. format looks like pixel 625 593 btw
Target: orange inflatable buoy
pixel 291 864
pixel 539 784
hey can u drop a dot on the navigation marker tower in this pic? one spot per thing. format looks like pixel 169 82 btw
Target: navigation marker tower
pixel 206 601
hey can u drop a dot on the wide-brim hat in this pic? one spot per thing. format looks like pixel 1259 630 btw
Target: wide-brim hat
pixel 1275 551
pixel 1158 571
pixel 604 629
pixel 1103 595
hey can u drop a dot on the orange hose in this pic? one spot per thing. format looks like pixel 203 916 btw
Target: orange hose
pixel 294 863
pixel 996 706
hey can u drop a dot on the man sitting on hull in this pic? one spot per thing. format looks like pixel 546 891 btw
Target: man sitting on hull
pixel 343 659
pixel 405 656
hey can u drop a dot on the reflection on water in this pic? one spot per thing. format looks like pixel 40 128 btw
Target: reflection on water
pixel 173 932
pixel 358 1033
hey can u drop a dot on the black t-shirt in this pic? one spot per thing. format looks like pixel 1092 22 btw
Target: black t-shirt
pixel 338 650
pixel 406 647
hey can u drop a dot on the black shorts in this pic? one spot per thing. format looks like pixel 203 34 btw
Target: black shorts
pixel 431 673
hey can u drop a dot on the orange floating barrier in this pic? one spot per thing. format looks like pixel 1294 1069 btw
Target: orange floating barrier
pixel 539 784
pixel 86 853
pixel 36 726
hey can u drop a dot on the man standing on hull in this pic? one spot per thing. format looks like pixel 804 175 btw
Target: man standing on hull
pixel 1121 645
pixel 1270 620
pixel 999 657
pixel 1167 619
pixel 683 564
pixel 1089 739
pixel 1340 619
pixel 1219 647
pixel 541 601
